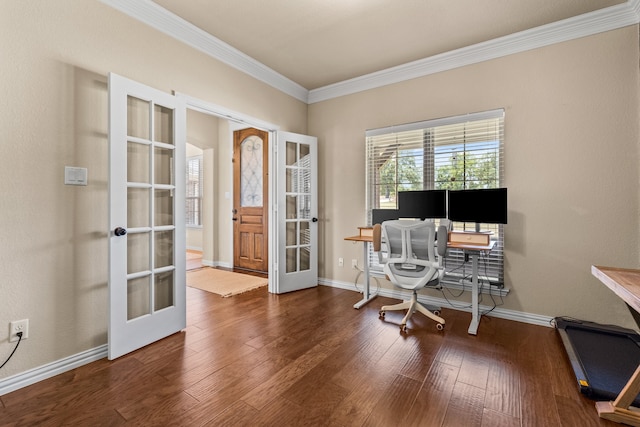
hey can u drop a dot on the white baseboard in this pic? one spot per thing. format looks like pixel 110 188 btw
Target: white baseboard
pixel 502 313
pixel 209 263
pixel 52 369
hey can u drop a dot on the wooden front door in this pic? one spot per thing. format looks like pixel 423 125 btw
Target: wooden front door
pixel 250 199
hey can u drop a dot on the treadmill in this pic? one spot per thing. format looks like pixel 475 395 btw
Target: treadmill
pixel 603 357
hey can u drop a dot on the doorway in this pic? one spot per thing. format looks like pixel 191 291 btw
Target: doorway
pixel 211 130
pixel 291 223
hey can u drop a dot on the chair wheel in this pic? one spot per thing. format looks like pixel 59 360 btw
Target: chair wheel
pixel 381 313
pixel 403 328
pixel 439 326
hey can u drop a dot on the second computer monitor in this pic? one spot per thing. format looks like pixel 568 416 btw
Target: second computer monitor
pixel 423 204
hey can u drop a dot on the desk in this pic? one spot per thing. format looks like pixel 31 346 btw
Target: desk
pixel 626 284
pixel 365 237
pixel 474 252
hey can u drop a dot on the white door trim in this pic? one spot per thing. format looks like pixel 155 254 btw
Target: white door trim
pixel 237 121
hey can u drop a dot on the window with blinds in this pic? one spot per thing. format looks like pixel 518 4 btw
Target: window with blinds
pixel 193 211
pixel 453 153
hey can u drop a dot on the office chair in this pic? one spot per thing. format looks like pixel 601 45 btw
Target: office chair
pixel 411 262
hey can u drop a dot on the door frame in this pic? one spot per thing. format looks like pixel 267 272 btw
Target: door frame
pixel 240 121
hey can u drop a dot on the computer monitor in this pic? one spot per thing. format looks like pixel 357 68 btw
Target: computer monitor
pixel 423 204
pixel 378 216
pixel 487 206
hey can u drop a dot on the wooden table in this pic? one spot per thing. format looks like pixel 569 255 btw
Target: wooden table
pixel 626 284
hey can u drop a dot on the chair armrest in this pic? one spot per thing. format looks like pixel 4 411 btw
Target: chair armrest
pixel 443 236
pixel 377 237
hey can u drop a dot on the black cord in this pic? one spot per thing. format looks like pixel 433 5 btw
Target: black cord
pixel 14 350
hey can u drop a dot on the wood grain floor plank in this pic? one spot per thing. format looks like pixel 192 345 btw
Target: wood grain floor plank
pixel 394 403
pixel 430 405
pixel 491 418
pixel 237 414
pixel 503 387
pixel 465 407
pixel 475 366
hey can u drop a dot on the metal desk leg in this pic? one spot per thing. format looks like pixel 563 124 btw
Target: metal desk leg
pixel 366 294
pixel 475 316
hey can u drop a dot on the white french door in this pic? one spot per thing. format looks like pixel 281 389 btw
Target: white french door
pixel 297 212
pixel 147 275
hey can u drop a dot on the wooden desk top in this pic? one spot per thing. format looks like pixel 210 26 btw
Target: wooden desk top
pixel 451 245
pixel 622 281
pixel 360 238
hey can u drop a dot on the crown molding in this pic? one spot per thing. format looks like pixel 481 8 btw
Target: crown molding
pixel 166 22
pixel 606 19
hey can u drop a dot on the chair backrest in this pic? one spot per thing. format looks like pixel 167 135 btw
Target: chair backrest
pixel 410 241
pixel 411 252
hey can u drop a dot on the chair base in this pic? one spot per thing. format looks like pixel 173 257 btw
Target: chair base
pixel 412 306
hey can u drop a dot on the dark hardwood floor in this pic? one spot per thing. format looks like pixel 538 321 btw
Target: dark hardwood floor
pixel 309 358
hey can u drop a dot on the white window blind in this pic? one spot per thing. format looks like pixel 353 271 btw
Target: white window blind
pixel 193 211
pixel 454 153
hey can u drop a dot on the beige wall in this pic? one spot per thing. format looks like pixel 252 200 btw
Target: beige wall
pixel 571 148
pixel 53 74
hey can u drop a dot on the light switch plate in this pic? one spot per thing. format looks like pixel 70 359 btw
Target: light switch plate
pixel 75 176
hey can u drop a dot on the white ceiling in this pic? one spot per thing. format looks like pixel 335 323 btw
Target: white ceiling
pixel 305 47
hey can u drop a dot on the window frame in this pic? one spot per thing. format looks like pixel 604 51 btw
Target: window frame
pixel 198 197
pixel 425 142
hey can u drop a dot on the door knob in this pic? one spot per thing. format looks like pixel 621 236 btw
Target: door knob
pixel 119 231
pixel 314 219
pixel 234 219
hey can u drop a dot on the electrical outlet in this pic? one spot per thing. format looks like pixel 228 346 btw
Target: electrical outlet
pixel 18 326
pixel 340 262
pixel 354 263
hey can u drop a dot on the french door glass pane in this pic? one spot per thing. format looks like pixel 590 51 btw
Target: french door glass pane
pixel 163 291
pixel 137 162
pixel 138 117
pixel 291 207
pixel 291 153
pixel 163 166
pixel 138 209
pixel 305 259
pixel 291 233
pixel 305 234
pixel 138 291
pixel 292 260
pixel 163 207
pixel 163 242
pixel 163 124
pixel 138 245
